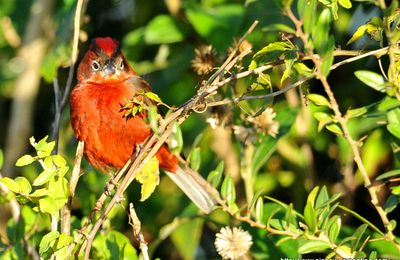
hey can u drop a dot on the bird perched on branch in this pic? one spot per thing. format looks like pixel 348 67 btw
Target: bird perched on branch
pixel 105 82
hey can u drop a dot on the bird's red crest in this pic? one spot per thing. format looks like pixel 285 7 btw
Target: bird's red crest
pixel 107 45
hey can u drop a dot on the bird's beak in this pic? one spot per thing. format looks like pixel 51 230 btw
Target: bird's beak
pixel 109 69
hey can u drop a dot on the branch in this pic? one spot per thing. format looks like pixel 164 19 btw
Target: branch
pixel 343 123
pixel 66 210
pixel 137 232
pixel 152 145
pixel 61 98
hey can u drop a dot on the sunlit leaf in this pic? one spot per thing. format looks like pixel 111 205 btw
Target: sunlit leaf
pixel 334 228
pixel 48 241
pixel 48 205
pixel 259 212
pixel 24 185
pixel 25 160
pixel 228 190
pixel 153 96
pixel 394 129
pixel 44 177
pixel 215 176
pixel 388 174
pixel 195 159
pixel 334 128
pixel 314 246
pixel 345 3
pixel 371 79
pixel 318 100
pixel 149 178
pixel 310 217
pixel 11 184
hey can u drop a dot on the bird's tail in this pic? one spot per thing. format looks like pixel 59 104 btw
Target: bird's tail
pixel 192 184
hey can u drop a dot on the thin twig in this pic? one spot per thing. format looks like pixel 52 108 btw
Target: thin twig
pixel 61 98
pixel 137 232
pixel 66 210
pixel 343 123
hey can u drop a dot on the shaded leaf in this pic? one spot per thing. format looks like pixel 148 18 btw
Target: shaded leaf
pixel 164 29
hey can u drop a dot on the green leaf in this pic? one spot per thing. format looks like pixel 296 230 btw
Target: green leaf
pixel 279 27
pixel 310 217
pixel 327 56
pixel 58 56
pixel 388 174
pixel 48 241
pixel 153 119
pixel 149 177
pixel 39 193
pixel 48 205
pixel 11 184
pixel 394 129
pixel 44 177
pixel 366 221
pixel 263 152
pixel 176 142
pixel 318 100
pixel 358 236
pixel 391 203
pixel 153 96
pixel 58 160
pixel 259 212
pixel 228 190
pixel 25 160
pixel 58 190
pixel 321 31
pixel 24 185
pixel 195 159
pixel 164 29
pixel 1 159
pixel 357 112
pixel 371 79
pixel 345 3
pixel 314 246
pixel 215 176
pixel 334 228
pixel 64 240
pixel 312 196
pixel 322 197
pixel 358 33
pixel 309 16
pixel 334 128
pixel 187 248
pixel 218 25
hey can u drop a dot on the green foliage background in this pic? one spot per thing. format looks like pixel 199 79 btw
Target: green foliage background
pixel 159 42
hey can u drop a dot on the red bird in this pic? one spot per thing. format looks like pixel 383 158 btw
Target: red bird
pixel 105 82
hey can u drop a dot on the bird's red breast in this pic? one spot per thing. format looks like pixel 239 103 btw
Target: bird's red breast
pixel 105 83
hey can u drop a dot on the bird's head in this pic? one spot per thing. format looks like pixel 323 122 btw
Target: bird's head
pixel 104 63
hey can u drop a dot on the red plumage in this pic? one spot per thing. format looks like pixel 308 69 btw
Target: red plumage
pixel 96 116
pixel 105 83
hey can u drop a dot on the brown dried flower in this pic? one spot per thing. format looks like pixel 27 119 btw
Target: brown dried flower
pixel 244 46
pixel 265 122
pixel 204 60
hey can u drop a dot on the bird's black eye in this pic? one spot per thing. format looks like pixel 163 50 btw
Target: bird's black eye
pixel 121 64
pixel 95 66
